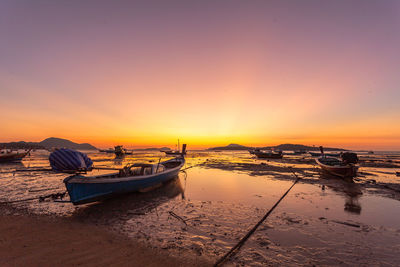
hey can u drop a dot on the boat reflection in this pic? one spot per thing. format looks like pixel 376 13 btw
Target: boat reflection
pixel 13 165
pixel 351 191
pixel 118 160
pixel 128 205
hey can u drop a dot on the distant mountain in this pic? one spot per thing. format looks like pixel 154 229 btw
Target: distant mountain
pixel 230 147
pixel 278 147
pixel 21 145
pixel 54 142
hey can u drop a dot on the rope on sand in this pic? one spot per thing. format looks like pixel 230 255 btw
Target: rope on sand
pixel 234 249
pixel 191 166
pixel 54 196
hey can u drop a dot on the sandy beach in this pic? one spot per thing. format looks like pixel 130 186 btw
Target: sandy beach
pixel 28 240
pixel 34 241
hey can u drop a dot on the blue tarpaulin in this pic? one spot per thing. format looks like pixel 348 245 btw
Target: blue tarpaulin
pixel 68 160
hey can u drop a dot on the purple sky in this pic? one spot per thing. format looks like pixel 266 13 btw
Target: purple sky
pixel 247 71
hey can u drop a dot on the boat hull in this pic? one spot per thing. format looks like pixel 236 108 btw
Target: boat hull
pixel 12 157
pixel 261 155
pixel 317 154
pixel 346 171
pixel 172 153
pixel 85 190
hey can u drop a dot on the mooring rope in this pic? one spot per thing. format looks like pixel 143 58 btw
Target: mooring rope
pixel 191 166
pixel 234 249
pixel 53 196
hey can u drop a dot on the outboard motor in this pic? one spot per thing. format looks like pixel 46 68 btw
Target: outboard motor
pixel 69 161
pixel 349 157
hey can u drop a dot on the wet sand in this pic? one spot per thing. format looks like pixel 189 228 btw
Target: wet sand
pixel 46 241
pixel 200 215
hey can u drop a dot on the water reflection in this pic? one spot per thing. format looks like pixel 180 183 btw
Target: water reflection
pixel 128 205
pixel 351 191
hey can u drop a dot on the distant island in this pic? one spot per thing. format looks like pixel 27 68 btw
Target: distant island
pixel 278 147
pixel 48 143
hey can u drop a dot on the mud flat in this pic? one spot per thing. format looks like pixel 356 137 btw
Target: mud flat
pixel 28 240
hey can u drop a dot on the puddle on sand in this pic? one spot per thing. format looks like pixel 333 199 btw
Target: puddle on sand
pixel 206 210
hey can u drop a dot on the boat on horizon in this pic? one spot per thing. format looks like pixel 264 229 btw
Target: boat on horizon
pixel 132 178
pixel 318 154
pixel 344 167
pixel 299 152
pixel 12 156
pixel 119 151
pixel 172 152
pixel 110 150
pixel 269 154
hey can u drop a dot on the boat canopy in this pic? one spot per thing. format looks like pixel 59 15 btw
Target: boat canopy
pixel 68 160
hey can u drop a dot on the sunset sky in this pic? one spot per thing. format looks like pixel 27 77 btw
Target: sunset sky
pixel 208 72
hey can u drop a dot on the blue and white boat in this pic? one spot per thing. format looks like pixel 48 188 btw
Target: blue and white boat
pixel 132 178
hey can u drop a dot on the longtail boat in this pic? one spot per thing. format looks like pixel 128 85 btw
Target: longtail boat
pixel 268 154
pixel 12 156
pixel 318 154
pixel 132 178
pixel 119 151
pixel 344 167
pixel 173 152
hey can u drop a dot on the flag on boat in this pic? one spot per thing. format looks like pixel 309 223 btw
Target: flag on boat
pixel 68 160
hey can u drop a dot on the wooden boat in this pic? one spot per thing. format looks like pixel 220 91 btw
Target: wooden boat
pixel 110 150
pixel 318 154
pixel 336 167
pixel 172 152
pixel 268 154
pixel 253 151
pixel 119 151
pixel 344 167
pixel 132 178
pixel 300 152
pixel 12 156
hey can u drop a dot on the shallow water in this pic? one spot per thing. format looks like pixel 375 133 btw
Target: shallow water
pixel 209 207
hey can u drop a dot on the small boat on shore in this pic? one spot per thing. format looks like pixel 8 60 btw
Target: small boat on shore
pixel 119 151
pixel 172 152
pixel 344 167
pixel 132 178
pixel 318 154
pixel 110 150
pixel 268 154
pixel 300 152
pixel 12 156
pixel 254 150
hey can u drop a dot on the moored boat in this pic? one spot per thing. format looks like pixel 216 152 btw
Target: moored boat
pixel 110 150
pixel 119 151
pixel 132 178
pixel 268 154
pixel 300 152
pixel 254 150
pixel 12 156
pixel 344 167
pixel 173 152
pixel 318 154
